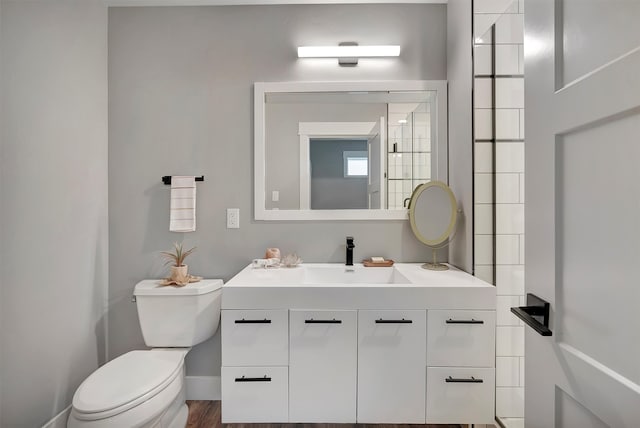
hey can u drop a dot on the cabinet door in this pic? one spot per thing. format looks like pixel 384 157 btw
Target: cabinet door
pixel 255 337
pixel 254 394
pixel 322 367
pixel 461 338
pixel 391 366
pixel 460 395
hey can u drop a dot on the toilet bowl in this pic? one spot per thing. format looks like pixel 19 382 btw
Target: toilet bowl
pixel 147 388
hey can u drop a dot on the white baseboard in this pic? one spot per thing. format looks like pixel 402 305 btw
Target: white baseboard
pixel 203 388
pixel 59 420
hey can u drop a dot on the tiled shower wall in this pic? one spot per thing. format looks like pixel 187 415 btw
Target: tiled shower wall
pixel 499 186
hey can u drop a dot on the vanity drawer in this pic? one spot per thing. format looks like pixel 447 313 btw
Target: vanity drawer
pixel 461 338
pixel 255 337
pixel 460 395
pixel 255 394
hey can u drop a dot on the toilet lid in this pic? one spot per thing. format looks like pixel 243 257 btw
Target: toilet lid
pixel 128 380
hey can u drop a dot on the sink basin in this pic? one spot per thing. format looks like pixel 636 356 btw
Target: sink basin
pixel 340 274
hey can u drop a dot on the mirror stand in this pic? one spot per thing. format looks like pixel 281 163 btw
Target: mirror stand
pixel 435 265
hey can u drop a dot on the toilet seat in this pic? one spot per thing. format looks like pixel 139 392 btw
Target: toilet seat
pixel 126 382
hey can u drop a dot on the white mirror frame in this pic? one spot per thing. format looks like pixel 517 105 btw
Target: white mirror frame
pixel 262 88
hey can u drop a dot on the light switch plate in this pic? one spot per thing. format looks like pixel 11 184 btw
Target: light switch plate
pixel 233 218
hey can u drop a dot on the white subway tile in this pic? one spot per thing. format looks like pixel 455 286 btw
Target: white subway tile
pixel 483 221
pixel 482 94
pixel 522 371
pixel 520 6
pixel 510 29
pixel 483 157
pixel 520 59
pixel 522 246
pixel 483 124
pixel 510 402
pixel 510 280
pixel 507 59
pixel 509 93
pixel 484 272
pixel 491 6
pixel 509 341
pixel 513 422
pixel 504 316
pixel 507 371
pixel 507 249
pixel 482 59
pixel 482 22
pixel 522 124
pixel 521 176
pixel 507 124
pixel 483 188
pixel 510 219
pixel 483 249
pixel 509 157
pixel 507 188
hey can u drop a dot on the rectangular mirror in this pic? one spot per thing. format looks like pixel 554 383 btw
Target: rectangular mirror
pixel 346 150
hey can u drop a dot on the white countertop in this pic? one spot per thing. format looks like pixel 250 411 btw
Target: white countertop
pixel 336 286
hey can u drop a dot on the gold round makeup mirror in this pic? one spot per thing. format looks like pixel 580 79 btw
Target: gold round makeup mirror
pixel 433 212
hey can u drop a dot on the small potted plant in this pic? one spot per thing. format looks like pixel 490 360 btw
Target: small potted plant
pixel 175 258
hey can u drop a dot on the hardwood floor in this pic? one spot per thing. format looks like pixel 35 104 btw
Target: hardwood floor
pixel 206 414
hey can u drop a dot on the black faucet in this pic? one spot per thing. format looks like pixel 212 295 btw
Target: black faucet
pixel 350 247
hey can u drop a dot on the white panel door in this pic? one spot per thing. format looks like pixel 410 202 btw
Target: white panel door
pixel 582 104
pixel 377 156
pixel 322 367
pixel 392 366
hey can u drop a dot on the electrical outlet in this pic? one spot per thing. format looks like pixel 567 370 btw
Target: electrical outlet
pixel 233 218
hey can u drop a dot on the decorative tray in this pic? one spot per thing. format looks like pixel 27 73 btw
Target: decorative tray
pixel 369 263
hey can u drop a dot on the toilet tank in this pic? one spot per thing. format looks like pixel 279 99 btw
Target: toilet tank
pixel 178 316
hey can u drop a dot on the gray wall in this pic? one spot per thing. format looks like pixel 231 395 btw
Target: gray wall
pixel 330 189
pixel 53 204
pixel 180 102
pixel 460 84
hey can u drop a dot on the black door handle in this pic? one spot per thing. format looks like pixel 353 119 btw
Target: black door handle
pixel 535 314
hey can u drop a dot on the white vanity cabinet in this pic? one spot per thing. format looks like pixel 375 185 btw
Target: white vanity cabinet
pixel 391 366
pixel 401 345
pixel 322 366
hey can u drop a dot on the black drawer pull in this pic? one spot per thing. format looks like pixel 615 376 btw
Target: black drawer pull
pixel 463 380
pixel 333 321
pixel 402 321
pixel 253 379
pixel 244 321
pixel 471 321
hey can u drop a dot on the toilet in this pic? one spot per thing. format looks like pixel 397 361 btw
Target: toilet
pixel 147 388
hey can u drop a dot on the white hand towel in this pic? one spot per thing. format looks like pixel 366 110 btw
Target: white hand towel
pixel 182 213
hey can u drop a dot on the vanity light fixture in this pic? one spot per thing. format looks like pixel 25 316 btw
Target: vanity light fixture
pixel 348 52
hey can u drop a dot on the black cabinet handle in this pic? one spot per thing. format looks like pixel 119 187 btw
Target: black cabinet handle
pixel 463 380
pixel 535 314
pixel 253 379
pixel 471 321
pixel 402 321
pixel 244 321
pixel 333 321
